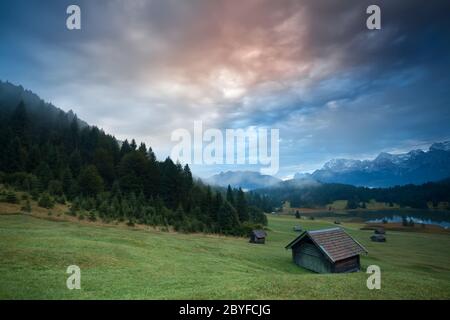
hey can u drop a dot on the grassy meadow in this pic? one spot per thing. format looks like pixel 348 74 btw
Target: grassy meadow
pixel 120 262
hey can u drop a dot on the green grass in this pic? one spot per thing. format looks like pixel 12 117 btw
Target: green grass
pixel 122 263
pixel 371 205
pixel 338 205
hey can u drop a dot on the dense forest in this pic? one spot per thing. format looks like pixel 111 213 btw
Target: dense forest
pixel 319 195
pixel 55 157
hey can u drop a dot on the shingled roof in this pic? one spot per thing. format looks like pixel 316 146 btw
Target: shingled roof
pixel 335 243
pixel 259 233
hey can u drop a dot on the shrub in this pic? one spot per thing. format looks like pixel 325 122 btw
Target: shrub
pixel 11 197
pixel 92 216
pixel 27 206
pixel 106 219
pixel 61 199
pixel 55 188
pixel 34 194
pixel 75 206
pixel 130 222
pixel 46 201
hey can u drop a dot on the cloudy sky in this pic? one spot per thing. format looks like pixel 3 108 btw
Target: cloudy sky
pixel 143 68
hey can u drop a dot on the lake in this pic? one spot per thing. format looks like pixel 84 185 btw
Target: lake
pixel 440 218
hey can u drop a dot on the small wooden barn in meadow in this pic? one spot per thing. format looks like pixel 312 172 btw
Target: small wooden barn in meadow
pixel 327 251
pixel 258 236
pixel 378 237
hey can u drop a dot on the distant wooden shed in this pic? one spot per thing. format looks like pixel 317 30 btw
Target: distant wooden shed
pixel 327 251
pixel 378 238
pixel 258 236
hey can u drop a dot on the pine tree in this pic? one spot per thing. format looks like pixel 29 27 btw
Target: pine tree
pixel 44 174
pixel 74 135
pixel 15 155
pixel 133 145
pixel 179 214
pixel 228 219
pixel 34 158
pixel 142 148
pixel 19 120
pixel 241 206
pixel 104 163
pixel 66 180
pixel 11 197
pixel 75 162
pixel 90 182
pixel 132 172
pixel 217 204
pixel 230 197
pixel 46 201
pixel 125 148
pixel 151 155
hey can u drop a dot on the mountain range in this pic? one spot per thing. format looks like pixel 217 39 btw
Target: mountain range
pixel 386 170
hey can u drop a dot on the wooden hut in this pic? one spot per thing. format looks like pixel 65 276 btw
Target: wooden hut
pixel 378 238
pixel 258 236
pixel 327 251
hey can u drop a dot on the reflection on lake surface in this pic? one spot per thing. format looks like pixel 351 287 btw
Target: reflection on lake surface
pixel 440 218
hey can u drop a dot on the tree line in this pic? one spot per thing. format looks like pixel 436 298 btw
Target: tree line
pixel 319 195
pixel 57 158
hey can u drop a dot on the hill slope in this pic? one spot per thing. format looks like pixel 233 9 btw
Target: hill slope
pixel 55 157
pixel 119 263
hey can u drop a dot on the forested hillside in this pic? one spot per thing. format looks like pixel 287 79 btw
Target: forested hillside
pixel 319 195
pixel 56 157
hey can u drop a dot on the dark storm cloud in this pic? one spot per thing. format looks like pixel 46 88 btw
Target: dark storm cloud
pixel 311 68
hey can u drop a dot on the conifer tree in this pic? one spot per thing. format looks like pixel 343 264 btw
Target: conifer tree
pixel 228 219
pixel 241 206
pixel 90 182
pixel 230 196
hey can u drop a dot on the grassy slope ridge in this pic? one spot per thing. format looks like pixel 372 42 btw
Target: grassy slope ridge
pixel 122 263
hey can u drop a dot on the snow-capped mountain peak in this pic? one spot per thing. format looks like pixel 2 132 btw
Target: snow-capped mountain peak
pixel 387 169
pixel 442 146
